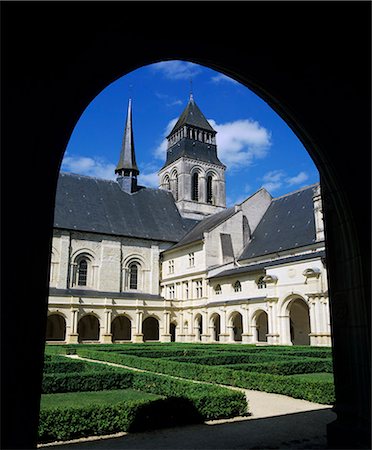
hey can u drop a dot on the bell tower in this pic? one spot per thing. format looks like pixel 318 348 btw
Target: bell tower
pixel 192 171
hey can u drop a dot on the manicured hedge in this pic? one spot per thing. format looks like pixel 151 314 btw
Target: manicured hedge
pixel 320 392
pixel 307 365
pixel 68 423
pixel 93 380
pixel 63 365
pixel 212 402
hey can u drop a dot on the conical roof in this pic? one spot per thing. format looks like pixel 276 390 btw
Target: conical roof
pixel 127 158
pixel 192 116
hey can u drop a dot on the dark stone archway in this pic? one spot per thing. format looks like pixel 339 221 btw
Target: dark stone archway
pixel 319 82
pixel 56 328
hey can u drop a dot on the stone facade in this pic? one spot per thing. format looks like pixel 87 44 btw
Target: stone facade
pixel 253 274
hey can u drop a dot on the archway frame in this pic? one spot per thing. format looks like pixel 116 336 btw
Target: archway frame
pixel 86 70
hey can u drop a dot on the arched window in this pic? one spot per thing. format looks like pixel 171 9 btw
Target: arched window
pixel 133 276
pixel 217 289
pixel 261 283
pixel 195 187
pixel 175 184
pixel 237 286
pixel 82 270
pixel 166 183
pixel 209 189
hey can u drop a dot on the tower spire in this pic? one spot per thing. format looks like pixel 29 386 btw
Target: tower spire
pixel 126 168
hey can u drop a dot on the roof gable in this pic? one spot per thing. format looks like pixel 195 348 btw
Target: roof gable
pixel 288 223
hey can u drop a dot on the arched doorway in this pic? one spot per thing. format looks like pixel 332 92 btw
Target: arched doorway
pixel 150 329
pixel 173 327
pixel 237 326
pixel 299 320
pixel 56 328
pixel 215 327
pixel 262 326
pixel 88 328
pixel 121 329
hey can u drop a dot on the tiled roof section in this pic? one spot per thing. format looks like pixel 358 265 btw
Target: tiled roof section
pixel 288 223
pixel 197 150
pixel 100 206
pixel 100 294
pixel 205 225
pixel 263 265
pixel 192 116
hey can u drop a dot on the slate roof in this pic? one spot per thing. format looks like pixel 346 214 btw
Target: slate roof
pixel 263 265
pixel 100 294
pixel 192 116
pixel 100 206
pixel 288 223
pixel 200 151
pixel 196 233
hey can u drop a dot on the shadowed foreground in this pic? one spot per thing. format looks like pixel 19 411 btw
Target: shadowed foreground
pixel 304 430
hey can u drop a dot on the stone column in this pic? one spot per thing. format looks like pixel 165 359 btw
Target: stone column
pixel 107 335
pixel 138 335
pixel 313 323
pixel 202 189
pixel 166 336
pixel 273 335
pixel 205 337
pixel 285 335
pixel 224 335
pixel 73 337
pixel 247 332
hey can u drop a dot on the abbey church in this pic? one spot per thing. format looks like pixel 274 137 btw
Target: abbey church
pixel 137 264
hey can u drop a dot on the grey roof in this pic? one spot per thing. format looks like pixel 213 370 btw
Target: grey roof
pixel 288 223
pixel 127 158
pixel 101 294
pixel 196 233
pixel 192 116
pixel 94 205
pixel 263 265
pixel 201 151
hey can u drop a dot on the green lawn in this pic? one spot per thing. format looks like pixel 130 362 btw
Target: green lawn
pixel 81 399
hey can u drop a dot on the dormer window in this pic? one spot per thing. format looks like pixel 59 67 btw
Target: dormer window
pixel 237 286
pixel 261 284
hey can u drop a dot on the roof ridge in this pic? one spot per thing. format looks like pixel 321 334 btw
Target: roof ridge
pixel 86 176
pixel 304 188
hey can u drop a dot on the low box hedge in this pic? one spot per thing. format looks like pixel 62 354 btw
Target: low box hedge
pixel 76 422
pixel 212 402
pixel 320 392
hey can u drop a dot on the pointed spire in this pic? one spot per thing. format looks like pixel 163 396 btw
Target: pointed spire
pixel 127 160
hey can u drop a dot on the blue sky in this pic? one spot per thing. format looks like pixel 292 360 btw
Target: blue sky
pixel 255 144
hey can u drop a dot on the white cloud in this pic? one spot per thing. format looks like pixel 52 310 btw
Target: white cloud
pixel 150 179
pixel 177 70
pixel 93 167
pixel 239 143
pixel 161 150
pixel 275 179
pixel 221 78
pixel 298 179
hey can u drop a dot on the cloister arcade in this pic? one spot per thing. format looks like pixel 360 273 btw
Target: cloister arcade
pixel 294 324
